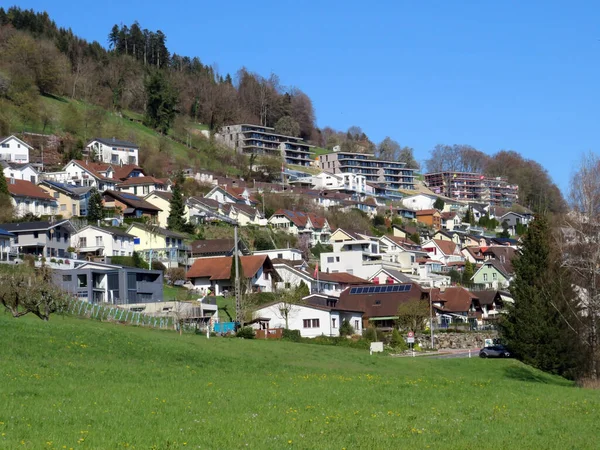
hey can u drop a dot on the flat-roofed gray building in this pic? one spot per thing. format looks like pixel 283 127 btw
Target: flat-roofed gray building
pixel 49 239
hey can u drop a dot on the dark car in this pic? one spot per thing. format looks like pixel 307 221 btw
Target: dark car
pixel 495 351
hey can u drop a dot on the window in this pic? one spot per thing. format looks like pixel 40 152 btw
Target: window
pixel 82 281
pixel 35 234
pixel 63 207
pixel 485 277
pixel 494 276
pixel 337 259
pixel 330 259
pixel 333 324
pixel 98 241
pixel 83 242
pixel 288 285
pixel 280 255
pixel 67 278
pixel 356 325
pixel 56 195
pixel 310 323
pixel 266 275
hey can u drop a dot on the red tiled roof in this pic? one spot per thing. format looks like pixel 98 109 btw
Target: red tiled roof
pixel 447 247
pixel 219 268
pixel 458 299
pixel 300 218
pixel 136 181
pixel 448 215
pixel 427 212
pixel 23 188
pixel 94 168
pixel 122 172
pixel 381 304
pixel 342 278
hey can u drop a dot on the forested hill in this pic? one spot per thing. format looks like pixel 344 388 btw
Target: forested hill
pixel 135 75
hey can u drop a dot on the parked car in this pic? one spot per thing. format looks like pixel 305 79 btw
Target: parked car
pixel 495 351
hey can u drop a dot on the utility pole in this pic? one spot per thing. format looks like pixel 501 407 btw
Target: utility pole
pixel 238 303
pixel 431 315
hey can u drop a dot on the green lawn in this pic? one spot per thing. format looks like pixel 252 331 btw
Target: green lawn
pixel 318 151
pixel 76 383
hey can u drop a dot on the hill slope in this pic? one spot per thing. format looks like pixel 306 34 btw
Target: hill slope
pixel 84 384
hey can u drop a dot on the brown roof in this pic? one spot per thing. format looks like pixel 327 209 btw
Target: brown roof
pixel 136 181
pixel 23 188
pixel 300 218
pixel 249 210
pixel 379 305
pixel 342 278
pixel 122 172
pixel 458 299
pixel 427 212
pixel 131 200
pixel 211 246
pixel 208 202
pixel 162 194
pixel 485 297
pixel 95 168
pixel 475 253
pixel 504 255
pixel 405 243
pixel 219 268
pixel 448 215
pixel 448 247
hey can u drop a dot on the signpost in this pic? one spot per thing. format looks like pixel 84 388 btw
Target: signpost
pixel 411 341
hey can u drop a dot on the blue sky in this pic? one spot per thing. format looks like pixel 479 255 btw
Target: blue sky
pixel 496 75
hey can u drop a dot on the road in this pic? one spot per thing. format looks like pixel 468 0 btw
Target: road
pixel 456 354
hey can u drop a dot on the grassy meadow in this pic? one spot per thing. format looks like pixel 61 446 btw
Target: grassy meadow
pixel 81 384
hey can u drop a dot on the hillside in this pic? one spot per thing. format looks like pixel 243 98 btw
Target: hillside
pixel 84 384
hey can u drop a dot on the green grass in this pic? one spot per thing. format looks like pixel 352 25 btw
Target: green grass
pixel 318 151
pixel 171 292
pixel 76 383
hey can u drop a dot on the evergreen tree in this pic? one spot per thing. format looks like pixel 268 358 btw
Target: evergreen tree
pixel 533 328
pixel 468 274
pixel 439 204
pixel 161 103
pixel 176 220
pixel 3 186
pixel 95 206
pixel 468 216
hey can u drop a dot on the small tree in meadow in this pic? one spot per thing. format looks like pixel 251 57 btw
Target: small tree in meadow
pixel 346 329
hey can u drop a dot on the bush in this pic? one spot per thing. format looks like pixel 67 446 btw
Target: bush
pixel 362 344
pixel 52 260
pixel 246 333
pixel 370 334
pixel 291 335
pixel 346 329
pixel 397 341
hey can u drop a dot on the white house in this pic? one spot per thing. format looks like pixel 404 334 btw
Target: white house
pixel 29 198
pixel 229 194
pixel 213 275
pixel 244 215
pixel 20 171
pixel 103 241
pixel 311 320
pixel 442 251
pixel 6 239
pixel 85 173
pixel 13 149
pixel 289 254
pixel 326 180
pixel 291 276
pixel 114 151
pixel 419 202
pixel 143 185
pixel 316 229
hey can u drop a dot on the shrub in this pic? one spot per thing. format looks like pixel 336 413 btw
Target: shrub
pixel 246 333
pixel 52 260
pixel 346 329
pixel 70 249
pixel 60 261
pixel 291 335
pixel 370 334
pixel 397 341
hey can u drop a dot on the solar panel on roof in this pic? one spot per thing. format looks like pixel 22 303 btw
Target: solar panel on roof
pixel 371 290
pixel 129 196
pixel 353 291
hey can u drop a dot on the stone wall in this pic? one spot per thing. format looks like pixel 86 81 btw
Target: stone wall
pixel 473 340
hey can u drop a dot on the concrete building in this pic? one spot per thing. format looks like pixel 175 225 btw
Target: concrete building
pixel 102 241
pixel 473 187
pixel 391 174
pixel 6 240
pixel 71 201
pixel 13 149
pixel 114 151
pixel 107 283
pixel 263 141
pixel 41 238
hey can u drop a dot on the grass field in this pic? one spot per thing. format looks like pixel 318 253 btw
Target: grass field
pixel 75 383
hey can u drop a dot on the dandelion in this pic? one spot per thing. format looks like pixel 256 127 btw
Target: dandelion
pixel 290 441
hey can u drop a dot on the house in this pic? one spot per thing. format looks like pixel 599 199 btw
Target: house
pixel 389 276
pixel 292 274
pixel 28 198
pixel 162 200
pixel 107 283
pixel 217 247
pixel 473 255
pixel 310 319
pixel 130 206
pixel 6 239
pixel 106 241
pixel 205 210
pixel 143 185
pixel 419 202
pixel 380 303
pixel 14 150
pixel 459 305
pixel 430 217
pixel 493 304
pixel 450 220
pixel 72 201
pixel 86 174
pixel 493 275
pixel 442 251
pixel 214 275
pixel 244 215
pixel 334 284
pixel 49 239
pixel 113 151
pixel 314 228
pixel 231 194
pixel 20 171
pixel 159 244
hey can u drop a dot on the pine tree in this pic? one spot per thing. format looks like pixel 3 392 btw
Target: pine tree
pixel 439 204
pixel 176 220
pixel 95 206
pixel 534 328
pixel 467 274
pixel 3 186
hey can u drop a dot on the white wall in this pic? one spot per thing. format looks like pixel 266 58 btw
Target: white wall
pixel 418 202
pixel 291 254
pixel 333 262
pixel 296 316
pixel 14 151
pixel 121 245
pixel 114 154
pixel 28 174
pixel 36 206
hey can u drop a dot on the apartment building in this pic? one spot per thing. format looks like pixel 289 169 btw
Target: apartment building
pixel 473 187
pixel 393 175
pixel 113 151
pixel 263 141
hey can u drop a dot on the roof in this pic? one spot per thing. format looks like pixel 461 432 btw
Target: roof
pixel 502 254
pixel 406 244
pixel 219 268
pixel 300 218
pixel 23 188
pixel 458 299
pixel 111 230
pixel 123 172
pixel 471 250
pixel 500 267
pixel 247 209
pixel 6 138
pixel 136 181
pixel 380 304
pixel 17 166
pixel 94 168
pixel 208 202
pixel 162 194
pixel 70 190
pixel 341 277
pixel 399 276
pixel 448 215
pixel 131 200
pixel 5 233
pixel 32 226
pixel 485 297
pixel 211 246
pixel 427 212
pixel 113 141
pixel 447 247
pixel 159 230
